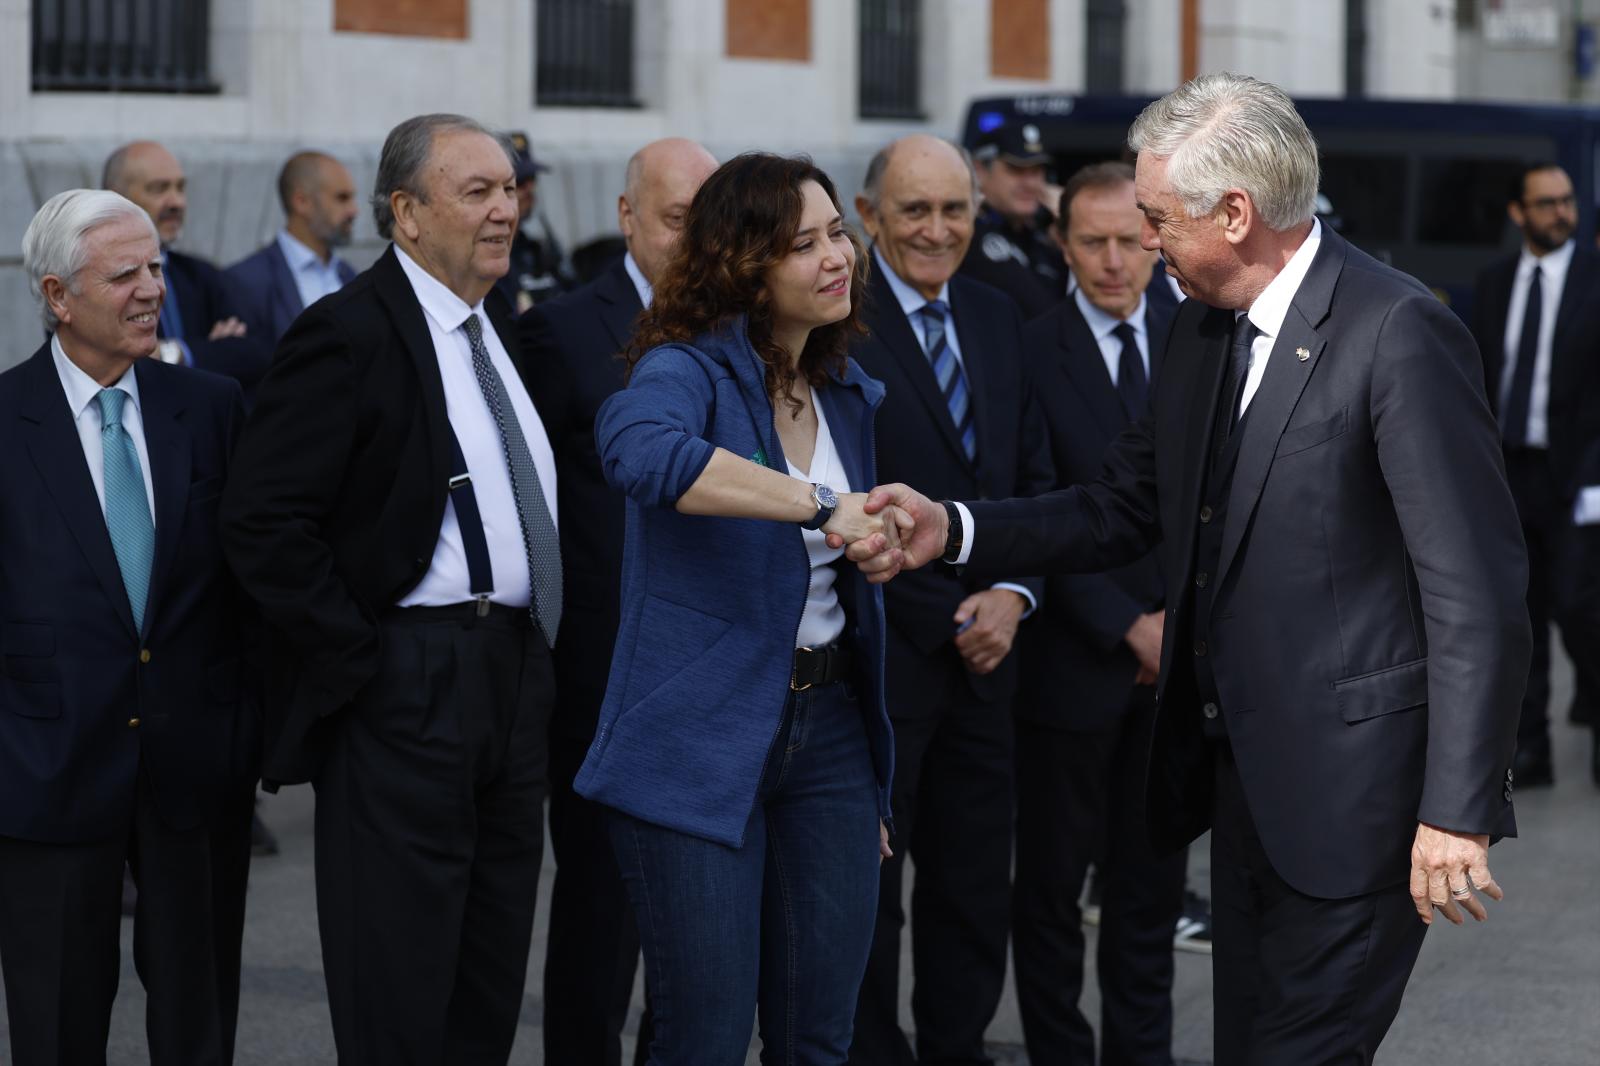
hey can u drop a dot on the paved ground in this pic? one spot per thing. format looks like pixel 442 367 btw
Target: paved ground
pixel 1522 990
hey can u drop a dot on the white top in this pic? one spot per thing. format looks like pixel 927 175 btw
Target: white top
pixel 1102 324
pixel 81 390
pixel 823 619
pixel 447 581
pixel 641 284
pixel 1272 307
pixel 1553 266
pixel 312 277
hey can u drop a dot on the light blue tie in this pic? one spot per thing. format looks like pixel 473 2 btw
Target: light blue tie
pixel 952 379
pixel 133 534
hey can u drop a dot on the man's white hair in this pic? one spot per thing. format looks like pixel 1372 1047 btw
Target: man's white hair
pixel 54 241
pixel 1230 131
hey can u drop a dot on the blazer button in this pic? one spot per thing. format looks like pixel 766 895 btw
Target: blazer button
pixel 133 723
pixel 144 655
pixel 1199 647
pixel 1202 579
pixel 1205 514
pixel 1209 710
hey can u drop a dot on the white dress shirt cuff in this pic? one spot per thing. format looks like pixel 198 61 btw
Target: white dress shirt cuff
pixel 1020 590
pixel 966 533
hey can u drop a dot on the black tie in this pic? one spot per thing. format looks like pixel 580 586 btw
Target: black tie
pixel 1244 335
pixel 1514 415
pixel 1131 383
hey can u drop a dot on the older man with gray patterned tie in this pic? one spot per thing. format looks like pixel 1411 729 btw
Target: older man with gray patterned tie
pixel 393 513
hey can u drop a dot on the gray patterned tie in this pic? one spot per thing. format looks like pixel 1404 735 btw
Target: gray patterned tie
pixel 539 537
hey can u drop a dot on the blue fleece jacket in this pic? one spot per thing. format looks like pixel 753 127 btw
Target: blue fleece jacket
pixel 711 606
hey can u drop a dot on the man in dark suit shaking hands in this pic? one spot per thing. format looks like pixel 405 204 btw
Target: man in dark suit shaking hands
pixel 124 734
pixel 393 513
pixel 1346 640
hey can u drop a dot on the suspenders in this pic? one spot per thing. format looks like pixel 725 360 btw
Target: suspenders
pixel 479 572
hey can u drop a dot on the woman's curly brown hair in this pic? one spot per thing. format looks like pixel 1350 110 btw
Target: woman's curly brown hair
pixel 741 223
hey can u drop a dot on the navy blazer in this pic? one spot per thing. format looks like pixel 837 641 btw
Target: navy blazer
pixel 917 444
pixel 1369 629
pixel 1574 405
pixel 572 348
pixel 204 299
pixel 85 700
pixel 1077 669
pixel 265 292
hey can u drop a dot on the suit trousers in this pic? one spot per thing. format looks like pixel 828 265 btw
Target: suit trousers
pixel 1547 528
pixel 592 950
pixel 1298 981
pixel 429 838
pixel 60 933
pixel 1080 799
pixel 952 805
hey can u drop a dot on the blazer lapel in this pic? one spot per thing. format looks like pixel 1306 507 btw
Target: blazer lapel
pixel 1566 359
pixel 889 326
pixel 285 293
pixel 168 446
pixel 57 454
pixel 1294 359
pixel 394 289
pixel 620 302
pixel 1081 360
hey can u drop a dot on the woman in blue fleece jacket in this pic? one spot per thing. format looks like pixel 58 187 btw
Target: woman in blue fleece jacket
pixel 743 746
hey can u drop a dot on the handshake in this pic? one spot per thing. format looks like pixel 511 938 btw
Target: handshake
pixel 890 529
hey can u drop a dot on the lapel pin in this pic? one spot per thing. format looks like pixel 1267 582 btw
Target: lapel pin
pixel 1302 354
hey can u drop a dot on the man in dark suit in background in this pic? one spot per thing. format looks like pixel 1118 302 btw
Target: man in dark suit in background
pixel 301 265
pixel 128 735
pixel 1346 640
pixel 1537 322
pixel 960 414
pixel 572 349
pixel 1086 697
pixel 392 512
pixel 200 324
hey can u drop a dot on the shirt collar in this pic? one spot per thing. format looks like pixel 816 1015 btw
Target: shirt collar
pixel 81 389
pixel 1552 263
pixel 641 284
pixel 1101 323
pixel 299 254
pixel 447 310
pixel 1272 306
pixel 911 301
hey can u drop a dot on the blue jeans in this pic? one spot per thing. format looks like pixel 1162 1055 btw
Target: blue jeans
pixel 782 924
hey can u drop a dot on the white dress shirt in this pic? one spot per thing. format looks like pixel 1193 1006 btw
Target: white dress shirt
pixel 1103 325
pixel 1266 313
pixel 823 619
pixel 641 284
pixel 81 390
pixel 911 302
pixel 1553 266
pixel 447 581
pixel 314 278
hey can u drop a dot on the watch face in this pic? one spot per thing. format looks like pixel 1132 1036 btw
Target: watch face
pixel 826 497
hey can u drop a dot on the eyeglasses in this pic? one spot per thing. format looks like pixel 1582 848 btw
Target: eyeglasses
pixel 1551 203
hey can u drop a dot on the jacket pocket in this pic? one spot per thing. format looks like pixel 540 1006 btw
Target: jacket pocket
pixel 1300 438
pixel 1386 691
pixel 31 699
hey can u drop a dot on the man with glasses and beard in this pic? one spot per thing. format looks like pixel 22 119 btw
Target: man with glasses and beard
pixel 300 265
pixel 1537 320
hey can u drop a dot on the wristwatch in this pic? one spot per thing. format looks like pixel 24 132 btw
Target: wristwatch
pixel 826 500
pixel 955 534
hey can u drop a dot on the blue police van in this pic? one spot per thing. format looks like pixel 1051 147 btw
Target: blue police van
pixel 1422 186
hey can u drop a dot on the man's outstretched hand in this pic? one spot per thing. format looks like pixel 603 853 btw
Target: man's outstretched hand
pixel 923 527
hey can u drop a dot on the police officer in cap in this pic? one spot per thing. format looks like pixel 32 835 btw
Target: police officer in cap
pixel 1011 244
pixel 539 267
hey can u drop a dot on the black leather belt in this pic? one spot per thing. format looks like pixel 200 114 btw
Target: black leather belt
pixel 820 666
pixel 475 611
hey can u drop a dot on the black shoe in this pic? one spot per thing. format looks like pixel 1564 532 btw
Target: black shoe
pixel 1531 766
pixel 1194 925
pixel 262 842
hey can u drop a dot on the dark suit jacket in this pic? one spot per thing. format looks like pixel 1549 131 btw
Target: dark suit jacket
pixel 76 673
pixel 1077 669
pixel 572 347
pixel 265 293
pixel 917 443
pixel 337 495
pixel 1368 636
pixel 204 299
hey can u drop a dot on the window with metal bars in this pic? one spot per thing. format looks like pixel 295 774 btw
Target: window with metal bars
pixel 1104 44
pixel 889 64
pixel 122 45
pixel 584 53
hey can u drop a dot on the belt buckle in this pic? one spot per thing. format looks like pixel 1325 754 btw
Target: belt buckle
pixel 794 672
